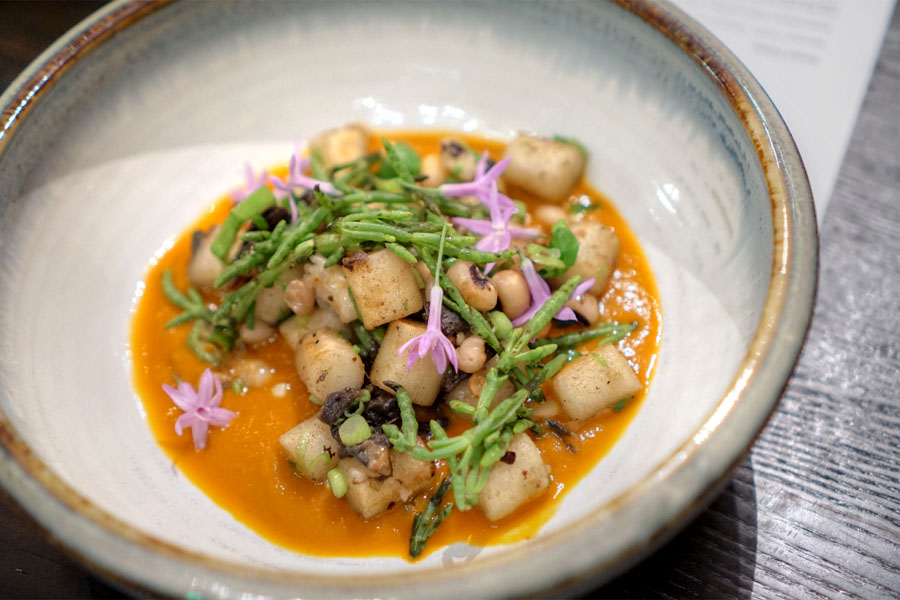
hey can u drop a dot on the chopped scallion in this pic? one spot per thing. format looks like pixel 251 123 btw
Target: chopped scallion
pixel 337 482
pixel 354 430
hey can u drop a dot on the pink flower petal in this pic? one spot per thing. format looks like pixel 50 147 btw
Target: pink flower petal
pixel 540 293
pixel 496 233
pixel 297 179
pixel 481 166
pixel 252 183
pixel 582 288
pixel 479 226
pixel 480 186
pixel 220 417
pixel 526 316
pixel 199 432
pixel 200 408
pixel 183 397
pixel 565 314
pixel 205 387
pixel 527 233
pixel 433 341
pixel 449 350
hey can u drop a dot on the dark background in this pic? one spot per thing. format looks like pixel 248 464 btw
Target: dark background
pixel 813 511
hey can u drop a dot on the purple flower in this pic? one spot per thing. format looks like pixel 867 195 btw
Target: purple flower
pixel 482 185
pixel 252 182
pixel 297 179
pixel 496 233
pixel 433 341
pixel 540 293
pixel 201 408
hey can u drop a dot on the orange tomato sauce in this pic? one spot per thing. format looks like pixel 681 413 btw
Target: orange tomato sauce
pixel 244 470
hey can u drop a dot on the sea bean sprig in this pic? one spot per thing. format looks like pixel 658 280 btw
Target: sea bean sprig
pixel 370 208
pixel 472 454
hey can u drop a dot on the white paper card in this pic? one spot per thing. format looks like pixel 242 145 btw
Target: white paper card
pixel 814 58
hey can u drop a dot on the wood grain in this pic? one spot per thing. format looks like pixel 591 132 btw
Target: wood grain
pixel 814 510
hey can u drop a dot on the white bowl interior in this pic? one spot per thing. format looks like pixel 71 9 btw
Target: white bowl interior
pixel 145 132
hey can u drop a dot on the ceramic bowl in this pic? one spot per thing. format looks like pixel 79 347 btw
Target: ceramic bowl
pixel 122 132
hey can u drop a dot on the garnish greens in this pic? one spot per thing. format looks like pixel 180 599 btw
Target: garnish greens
pixel 375 202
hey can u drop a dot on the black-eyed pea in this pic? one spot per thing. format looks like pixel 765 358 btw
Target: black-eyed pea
pixel 457 159
pixel 300 297
pixel 512 290
pixel 471 355
pixel 587 306
pixel 476 289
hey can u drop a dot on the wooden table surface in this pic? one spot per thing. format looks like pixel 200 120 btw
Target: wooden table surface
pixel 814 510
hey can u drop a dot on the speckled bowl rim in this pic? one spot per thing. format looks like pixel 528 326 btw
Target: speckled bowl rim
pixel 697 469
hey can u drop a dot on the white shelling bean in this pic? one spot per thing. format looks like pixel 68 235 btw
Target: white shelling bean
pixel 587 306
pixel 512 289
pixel 548 214
pixel 457 159
pixel 300 297
pixel 476 289
pixel 253 372
pixel 260 333
pixel 471 355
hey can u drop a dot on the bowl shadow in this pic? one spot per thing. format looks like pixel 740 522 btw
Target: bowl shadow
pixel 713 557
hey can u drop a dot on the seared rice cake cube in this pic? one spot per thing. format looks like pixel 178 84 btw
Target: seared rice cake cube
pixel 294 328
pixel 327 363
pixel 422 382
pixel 383 285
pixel 510 485
pixel 311 447
pixel 545 167
pixel 595 382
pixel 369 496
pixel 411 475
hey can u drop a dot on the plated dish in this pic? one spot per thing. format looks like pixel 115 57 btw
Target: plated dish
pixel 380 320
pixel 127 129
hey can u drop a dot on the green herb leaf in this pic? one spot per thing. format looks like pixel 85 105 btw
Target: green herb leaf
pixel 563 240
pixel 407 157
pixel 396 162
